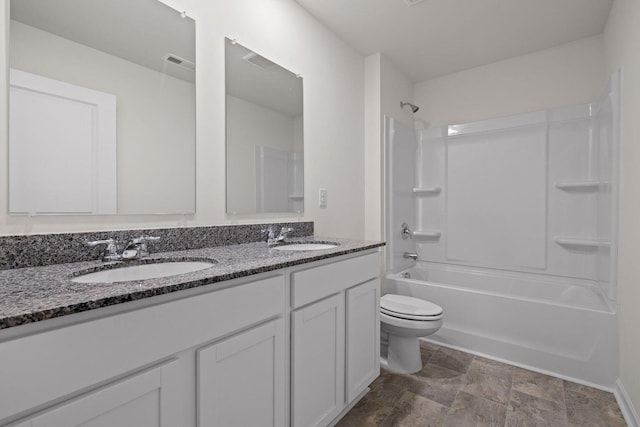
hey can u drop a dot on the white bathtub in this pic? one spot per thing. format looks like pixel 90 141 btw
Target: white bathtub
pixel 562 326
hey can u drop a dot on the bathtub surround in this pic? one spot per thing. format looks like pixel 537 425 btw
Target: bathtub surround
pixel 534 192
pixel 48 249
pixel 514 221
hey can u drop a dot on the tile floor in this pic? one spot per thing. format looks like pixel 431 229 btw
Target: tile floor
pixel 457 389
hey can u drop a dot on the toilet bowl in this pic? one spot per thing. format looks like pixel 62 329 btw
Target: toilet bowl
pixel 403 320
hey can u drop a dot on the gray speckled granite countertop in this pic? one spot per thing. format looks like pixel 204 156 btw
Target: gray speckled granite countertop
pixel 38 293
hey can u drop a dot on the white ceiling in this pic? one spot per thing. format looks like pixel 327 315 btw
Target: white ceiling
pixel 140 31
pixel 439 37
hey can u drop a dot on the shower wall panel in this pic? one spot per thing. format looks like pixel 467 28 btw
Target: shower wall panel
pixel 496 201
pixel 400 158
pixel 532 193
pixel 429 194
pixel 572 206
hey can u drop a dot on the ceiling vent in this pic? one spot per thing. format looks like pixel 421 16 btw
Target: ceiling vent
pixel 259 61
pixel 412 2
pixel 175 59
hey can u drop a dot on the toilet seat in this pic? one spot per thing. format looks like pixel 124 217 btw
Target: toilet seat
pixel 409 308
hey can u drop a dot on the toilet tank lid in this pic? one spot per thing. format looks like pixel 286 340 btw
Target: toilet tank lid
pixel 402 304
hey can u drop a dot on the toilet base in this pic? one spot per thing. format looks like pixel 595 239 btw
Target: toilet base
pixel 403 354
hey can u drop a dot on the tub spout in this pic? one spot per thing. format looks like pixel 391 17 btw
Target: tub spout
pixel 411 255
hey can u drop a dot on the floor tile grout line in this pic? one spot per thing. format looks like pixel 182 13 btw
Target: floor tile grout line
pixel 564 401
pixel 513 378
pixel 464 380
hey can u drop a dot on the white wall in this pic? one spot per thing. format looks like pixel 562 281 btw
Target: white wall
pixel 333 125
pixel 373 148
pixel 621 43
pixel 385 87
pixel 250 125
pixel 155 117
pixel 396 87
pixel 564 75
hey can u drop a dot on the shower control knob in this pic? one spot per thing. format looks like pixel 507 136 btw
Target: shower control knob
pixel 405 232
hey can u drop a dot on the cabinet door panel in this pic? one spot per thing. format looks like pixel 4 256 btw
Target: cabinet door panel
pixel 363 337
pixel 241 379
pixel 147 399
pixel 318 362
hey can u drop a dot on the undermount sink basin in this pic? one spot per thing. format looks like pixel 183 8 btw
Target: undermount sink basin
pixel 305 246
pixel 142 272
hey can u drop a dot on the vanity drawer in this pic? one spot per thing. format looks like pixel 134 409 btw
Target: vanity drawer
pixel 319 282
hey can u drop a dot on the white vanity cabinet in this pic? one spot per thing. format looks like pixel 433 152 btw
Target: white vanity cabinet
pixel 146 399
pixel 362 337
pixel 335 338
pixel 155 366
pixel 318 362
pixel 241 379
pixel 296 346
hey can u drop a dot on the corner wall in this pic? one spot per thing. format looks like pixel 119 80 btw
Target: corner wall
pixel 385 87
pixel 621 46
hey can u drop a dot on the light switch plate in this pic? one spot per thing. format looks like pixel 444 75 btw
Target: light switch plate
pixel 322 197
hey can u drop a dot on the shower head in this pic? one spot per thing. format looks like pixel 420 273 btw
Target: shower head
pixel 414 108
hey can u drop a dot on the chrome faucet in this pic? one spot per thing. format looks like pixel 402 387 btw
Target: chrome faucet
pixel 411 255
pixel 133 249
pixel 272 239
pixel 110 251
pixel 137 248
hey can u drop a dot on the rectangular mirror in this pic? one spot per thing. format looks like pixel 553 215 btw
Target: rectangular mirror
pixel 265 149
pixel 102 108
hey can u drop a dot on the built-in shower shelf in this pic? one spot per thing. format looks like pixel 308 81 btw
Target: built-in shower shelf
pixel 582 186
pixel 578 242
pixel 426 191
pixel 427 234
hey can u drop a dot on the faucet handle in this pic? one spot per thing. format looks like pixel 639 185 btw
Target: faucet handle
pixel 144 239
pixel 100 242
pixel 268 233
pixel 110 252
pixel 112 245
pixel 285 230
pixel 140 243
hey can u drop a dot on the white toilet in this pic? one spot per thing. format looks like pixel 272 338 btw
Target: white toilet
pixel 402 320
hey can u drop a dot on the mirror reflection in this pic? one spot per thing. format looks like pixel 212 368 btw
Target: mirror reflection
pixel 102 108
pixel 265 149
